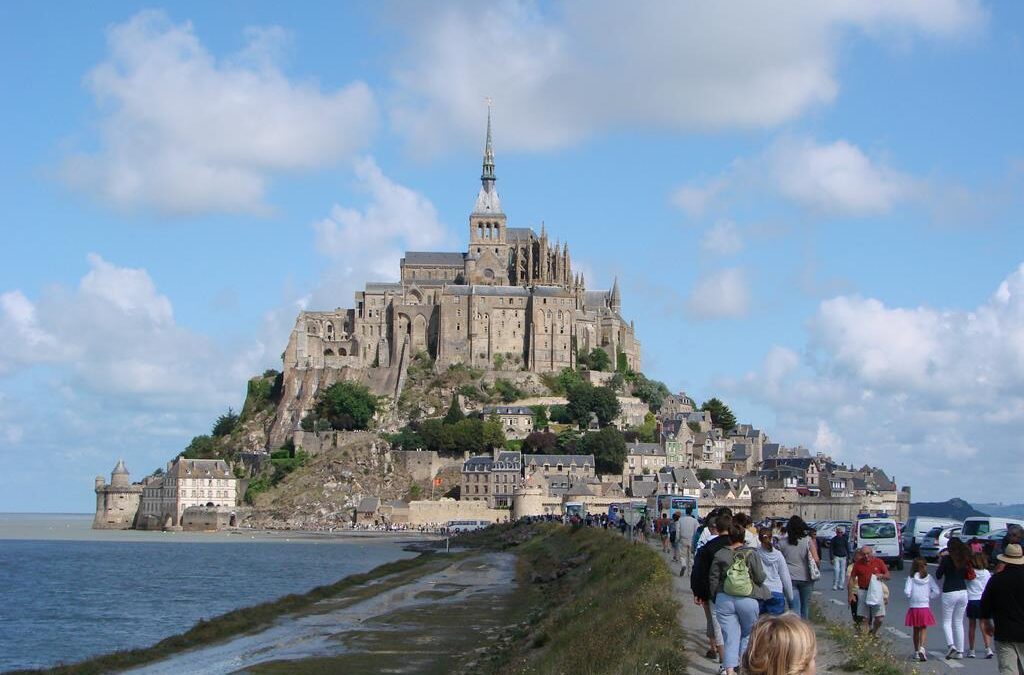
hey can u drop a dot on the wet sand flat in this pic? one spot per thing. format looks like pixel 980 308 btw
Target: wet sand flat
pixel 423 624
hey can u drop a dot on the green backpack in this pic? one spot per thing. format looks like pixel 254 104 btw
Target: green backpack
pixel 737 578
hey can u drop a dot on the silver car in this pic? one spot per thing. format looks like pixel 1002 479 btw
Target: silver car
pixel 936 540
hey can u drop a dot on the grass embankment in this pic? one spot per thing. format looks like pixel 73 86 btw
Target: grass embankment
pixel 248 619
pixel 864 653
pixel 598 604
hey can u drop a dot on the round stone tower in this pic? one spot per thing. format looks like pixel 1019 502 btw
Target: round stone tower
pixel 118 503
pixel 119 476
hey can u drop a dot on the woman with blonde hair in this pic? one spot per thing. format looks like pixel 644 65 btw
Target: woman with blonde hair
pixel 781 645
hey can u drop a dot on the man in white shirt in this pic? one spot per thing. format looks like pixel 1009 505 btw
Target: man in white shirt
pixel 685 528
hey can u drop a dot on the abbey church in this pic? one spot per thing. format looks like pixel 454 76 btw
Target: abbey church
pixel 511 301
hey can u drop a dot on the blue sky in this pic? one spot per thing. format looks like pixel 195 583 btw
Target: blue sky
pixel 813 212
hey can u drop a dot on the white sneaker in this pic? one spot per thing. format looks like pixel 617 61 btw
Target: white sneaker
pixel 923 654
pixel 971 655
pixel 958 655
pixel 951 654
pixel 988 653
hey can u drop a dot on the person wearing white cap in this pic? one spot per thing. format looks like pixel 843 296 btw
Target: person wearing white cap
pixel 1002 603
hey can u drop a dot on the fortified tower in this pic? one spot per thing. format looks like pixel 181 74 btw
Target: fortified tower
pixel 117 503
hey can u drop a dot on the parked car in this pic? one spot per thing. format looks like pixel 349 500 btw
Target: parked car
pixel 981 526
pixel 828 530
pixel 917 528
pixel 937 540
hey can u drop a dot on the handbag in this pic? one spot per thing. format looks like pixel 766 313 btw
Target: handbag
pixel 875 594
pixel 813 572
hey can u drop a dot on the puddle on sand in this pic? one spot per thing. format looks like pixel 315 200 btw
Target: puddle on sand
pixel 420 627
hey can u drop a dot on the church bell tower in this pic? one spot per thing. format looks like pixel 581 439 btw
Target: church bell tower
pixel 488 245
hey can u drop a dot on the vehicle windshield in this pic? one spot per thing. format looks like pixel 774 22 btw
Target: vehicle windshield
pixel 877 531
pixel 973 528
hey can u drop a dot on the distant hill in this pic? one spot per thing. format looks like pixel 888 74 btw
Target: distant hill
pixel 1004 510
pixel 956 509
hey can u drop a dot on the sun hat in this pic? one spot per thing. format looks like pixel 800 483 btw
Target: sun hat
pixel 1014 555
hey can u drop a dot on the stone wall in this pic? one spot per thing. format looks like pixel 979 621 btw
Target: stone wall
pixel 441 511
pixel 208 519
pixel 774 503
pixel 116 507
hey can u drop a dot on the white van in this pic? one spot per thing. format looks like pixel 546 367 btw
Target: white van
pixel 456 526
pixel 882 534
pixel 917 528
pixel 980 526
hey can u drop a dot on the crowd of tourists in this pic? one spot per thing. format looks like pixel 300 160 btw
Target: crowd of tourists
pixel 755 581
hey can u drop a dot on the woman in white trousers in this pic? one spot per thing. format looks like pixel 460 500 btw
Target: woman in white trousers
pixel 952 572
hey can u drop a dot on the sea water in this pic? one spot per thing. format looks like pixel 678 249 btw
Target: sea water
pixel 68 592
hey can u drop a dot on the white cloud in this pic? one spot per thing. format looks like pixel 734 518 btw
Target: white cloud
pixel 185 133
pixel 722 238
pixel 115 335
pixel 720 295
pixel 558 74
pixel 366 244
pixel 918 391
pixel 835 178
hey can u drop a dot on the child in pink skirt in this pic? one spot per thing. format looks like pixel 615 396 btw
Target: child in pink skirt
pixel 920 589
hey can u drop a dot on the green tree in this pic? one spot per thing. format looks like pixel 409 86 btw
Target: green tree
pixel 455 413
pixel 499 361
pixel 581 403
pixel 559 414
pixel 540 417
pixel 651 392
pixel 721 416
pixel 645 432
pixel 407 438
pixel 605 405
pixel 540 442
pixel 621 364
pixel 346 406
pixel 508 391
pixel 617 382
pixel 225 424
pixel 568 441
pixel 599 359
pixel 201 447
pixel 609 449
pixel 704 475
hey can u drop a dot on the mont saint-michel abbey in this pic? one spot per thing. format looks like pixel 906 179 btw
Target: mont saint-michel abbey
pixel 511 301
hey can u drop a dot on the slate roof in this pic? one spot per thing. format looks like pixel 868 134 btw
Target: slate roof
pixel 771 450
pixel 740 451
pixel 443 258
pixel 579 489
pixel 550 292
pixel 200 468
pixel 686 478
pixel 478 463
pixel 508 461
pixel 553 460
pixel 507 410
pixel 643 488
pixel 382 286
pixel 648 449
pixel 518 291
pixel 519 233
pixel 595 298
pixel 368 505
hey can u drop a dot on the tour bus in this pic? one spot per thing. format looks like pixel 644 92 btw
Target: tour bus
pixel 457 526
pixel 670 504
pixel 574 509
pixel 882 533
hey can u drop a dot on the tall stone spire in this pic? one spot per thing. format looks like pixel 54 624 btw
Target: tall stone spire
pixel 488 174
pixel 487 200
pixel 616 297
